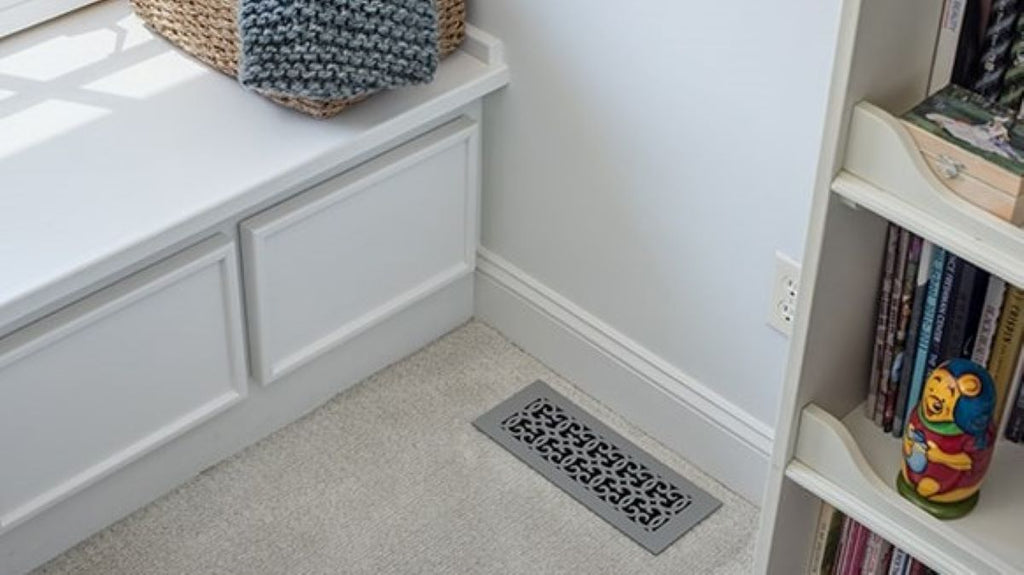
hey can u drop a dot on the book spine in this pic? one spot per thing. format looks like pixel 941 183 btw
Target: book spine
pixel 1015 425
pixel 916 567
pixel 989 320
pixel 967 62
pixel 900 355
pixel 885 388
pixel 843 557
pixel 1013 398
pixel 960 311
pixel 935 348
pixel 872 554
pixel 832 543
pixel 898 562
pixel 1006 345
pixel 859 545
pixel 931 304
pixel 820 539
pixel 910 349
pixel 882 324
pixel 946 46
pixel 975 307
pixel 883 560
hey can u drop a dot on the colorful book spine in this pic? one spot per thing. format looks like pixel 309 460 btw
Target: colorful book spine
pixel 905 311
pixel 882 325
pixel 899 562
pixel 989 320
pixel 843 555
pixel 919 296
pixel 873 554
pixel 1006 345
pixel 917 568
pixel 924 338
pixel 942 312
pixel 859 544
pixel 883 562
pixel 885 387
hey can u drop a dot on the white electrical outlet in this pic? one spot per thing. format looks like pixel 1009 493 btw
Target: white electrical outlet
pixel 784 293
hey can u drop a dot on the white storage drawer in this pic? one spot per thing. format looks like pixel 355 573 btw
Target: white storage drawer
pixel 95 385
pixel 347 254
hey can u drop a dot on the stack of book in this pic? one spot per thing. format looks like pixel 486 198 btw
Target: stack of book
pixel 844 547
pixel 934 306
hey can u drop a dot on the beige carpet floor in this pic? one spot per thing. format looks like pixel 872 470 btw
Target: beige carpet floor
pixel 391 477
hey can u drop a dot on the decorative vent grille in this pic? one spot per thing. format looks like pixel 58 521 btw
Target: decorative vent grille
pixel 598 465
pixel 615 479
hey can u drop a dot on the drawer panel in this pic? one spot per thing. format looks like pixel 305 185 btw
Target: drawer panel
pixel 345 255
pixel 95 385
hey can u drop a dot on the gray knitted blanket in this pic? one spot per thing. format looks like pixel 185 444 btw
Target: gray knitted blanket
pixel 336 49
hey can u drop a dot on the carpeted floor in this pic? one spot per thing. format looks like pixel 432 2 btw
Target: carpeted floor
pixel 391 477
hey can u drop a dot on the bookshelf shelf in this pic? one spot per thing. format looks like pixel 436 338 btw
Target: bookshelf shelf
pixel 852 464
pixel 884 173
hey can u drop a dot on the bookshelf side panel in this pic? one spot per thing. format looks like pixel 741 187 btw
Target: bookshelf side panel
pixel 884 53
pixel 841 327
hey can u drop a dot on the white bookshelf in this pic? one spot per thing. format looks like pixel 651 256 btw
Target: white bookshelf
pixel 870 174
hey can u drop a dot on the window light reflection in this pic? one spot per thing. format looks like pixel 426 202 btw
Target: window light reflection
pixel 42 122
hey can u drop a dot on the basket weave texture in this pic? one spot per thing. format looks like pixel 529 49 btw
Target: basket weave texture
pixel 208 30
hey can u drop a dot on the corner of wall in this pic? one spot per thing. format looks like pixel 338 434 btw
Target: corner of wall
pixel 682 413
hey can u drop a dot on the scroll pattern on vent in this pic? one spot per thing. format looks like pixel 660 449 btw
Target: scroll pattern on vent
pixel 642 495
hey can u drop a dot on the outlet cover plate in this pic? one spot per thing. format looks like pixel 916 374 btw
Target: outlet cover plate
pixel 785 290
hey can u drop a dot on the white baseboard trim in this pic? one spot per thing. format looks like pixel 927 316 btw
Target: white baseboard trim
pixel 679 411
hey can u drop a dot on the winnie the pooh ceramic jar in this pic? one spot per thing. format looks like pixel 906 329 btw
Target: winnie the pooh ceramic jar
pixel 948 441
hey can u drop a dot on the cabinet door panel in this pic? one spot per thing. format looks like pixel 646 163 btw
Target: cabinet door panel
pixel 347 254
pixel 95 385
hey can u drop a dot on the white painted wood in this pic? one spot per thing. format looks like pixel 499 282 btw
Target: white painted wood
pixel 265 410
pixel 164 147
pixel 885 173
pixel 167 152
pixel 97 385
pixel 853 465
pixel 342 257
pixel 672 406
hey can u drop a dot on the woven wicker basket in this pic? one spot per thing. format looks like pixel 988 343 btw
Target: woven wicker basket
pixel 208 29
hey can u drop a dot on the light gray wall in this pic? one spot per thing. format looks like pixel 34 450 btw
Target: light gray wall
pixel 649 158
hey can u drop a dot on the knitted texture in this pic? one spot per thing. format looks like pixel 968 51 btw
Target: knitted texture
pixel 336 49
